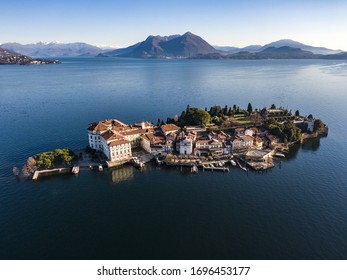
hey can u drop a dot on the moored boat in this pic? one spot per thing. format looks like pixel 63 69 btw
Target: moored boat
pixel 75 170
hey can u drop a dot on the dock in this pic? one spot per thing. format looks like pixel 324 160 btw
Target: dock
pixel 224 169
pixel 38 173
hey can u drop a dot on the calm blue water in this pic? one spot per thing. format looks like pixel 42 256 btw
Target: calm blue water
pixel 296 212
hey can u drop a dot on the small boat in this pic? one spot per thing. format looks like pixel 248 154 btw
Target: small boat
pixel 244 169
pixel 75 170
pixel 101 168
pixel 136 162
pixel 280 155
pixel 90 167
pixel 233 163
pixel 194 169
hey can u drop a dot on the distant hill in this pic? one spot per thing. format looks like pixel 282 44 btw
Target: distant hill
pixel 268 53
pixel 53 49
pixel 285 52
pixel 250 48
pixel 10 57
pixel 298 45
pixel 179 46
pixel 341 55
pixel 120 51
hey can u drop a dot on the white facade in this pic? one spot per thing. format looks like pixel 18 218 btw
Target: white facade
pixel 186 146
pixel 242 142
pixel 119 150
pixel 114 138
pixel 94 140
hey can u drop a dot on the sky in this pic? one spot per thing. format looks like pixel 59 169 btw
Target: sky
pixel 220 22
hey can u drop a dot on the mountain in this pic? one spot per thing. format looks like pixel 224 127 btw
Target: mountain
pixel 53 49
pixel 10 57
pixel 268 53
pixel 179 46
pixel 120 51
pixel 285 52
pixel 250 48
pixel 340 55
pixel 298 45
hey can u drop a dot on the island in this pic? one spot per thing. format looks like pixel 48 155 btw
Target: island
pixel 208 139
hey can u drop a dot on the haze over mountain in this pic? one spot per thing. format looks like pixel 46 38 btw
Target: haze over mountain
pixel 250 48
pixel 268 53
pixel 53 49
pixel 182 46
pixel 279 44
pixel 295 44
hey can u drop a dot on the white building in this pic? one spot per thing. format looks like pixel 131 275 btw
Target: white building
pixel 119 150
pixel 115 138
pixel 186 146
pixel 242 142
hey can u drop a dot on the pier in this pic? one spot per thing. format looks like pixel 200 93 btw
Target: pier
pixel 224 169
pixel 38 173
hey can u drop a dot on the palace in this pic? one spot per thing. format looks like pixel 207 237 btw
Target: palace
pixel 116 139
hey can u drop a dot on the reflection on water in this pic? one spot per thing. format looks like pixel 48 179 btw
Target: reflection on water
pixel 124 173
pixel 312 145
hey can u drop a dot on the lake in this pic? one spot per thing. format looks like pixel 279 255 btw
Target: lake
pixel 298 211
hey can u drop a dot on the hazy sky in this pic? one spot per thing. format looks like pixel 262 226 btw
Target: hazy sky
pixel 220 22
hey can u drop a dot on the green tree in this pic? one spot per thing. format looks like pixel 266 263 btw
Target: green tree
pixel 196 116
pixel 225 111
pixel 187 109
pixel 249 108
pixel 318 125
pixel 297 113
pixel 273 106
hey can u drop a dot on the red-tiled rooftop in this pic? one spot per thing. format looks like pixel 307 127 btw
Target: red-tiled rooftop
pixel 98 126
pixel 118 142
pixel 170 127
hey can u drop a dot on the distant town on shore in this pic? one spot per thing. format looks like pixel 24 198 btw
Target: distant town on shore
pixel 197 138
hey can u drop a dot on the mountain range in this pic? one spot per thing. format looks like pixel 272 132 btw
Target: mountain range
pixel 279 44
pixel 187 45
pixel 53 49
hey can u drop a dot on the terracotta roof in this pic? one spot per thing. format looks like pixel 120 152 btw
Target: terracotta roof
pixel 202 142
pixel 170 127
pixel 118 142
pixel 99 126
pixel 247 138
pixel 138 131
pixel 107 135
pixel 239 129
